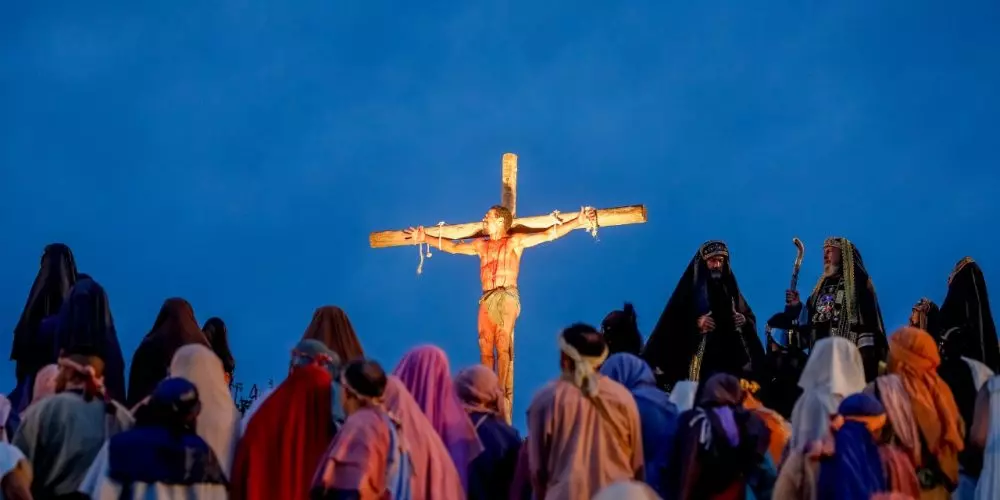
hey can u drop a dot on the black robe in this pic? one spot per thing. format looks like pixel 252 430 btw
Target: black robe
pixel 675 341
pixel 174 328
pixel 56 276
pixel 967 307
pixel 865 318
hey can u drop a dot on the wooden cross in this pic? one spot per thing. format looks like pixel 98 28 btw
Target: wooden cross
pixel 617 216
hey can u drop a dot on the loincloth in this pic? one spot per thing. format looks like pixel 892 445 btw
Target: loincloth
pixel 495 299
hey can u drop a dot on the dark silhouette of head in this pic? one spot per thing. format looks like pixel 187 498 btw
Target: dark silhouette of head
pixel 364 384
pixel 587 342
pixel 621 331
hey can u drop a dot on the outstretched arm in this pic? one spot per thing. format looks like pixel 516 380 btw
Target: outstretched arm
pixel 417 236
pixel 558 230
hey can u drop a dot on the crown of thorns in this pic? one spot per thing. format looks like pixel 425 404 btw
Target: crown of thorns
pixel 714 248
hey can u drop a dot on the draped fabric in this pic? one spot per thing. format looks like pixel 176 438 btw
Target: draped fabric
pixel 988 487
pixel 913 355
pixel 899 411
pixel 56 275
pixel 855 470
pixel 218 422
pixel 62 435
pixel 45 383
pixel 967 308
pixel 834 371
pixel 575 449
pixel 152 462
pixel 479 390
pixel 85 320
pixel 358 458
pixel 656 413
pixel 779 428
pixel 34 346
pixel 435 475
pixel 285 441
pixel 217 333
pixel 491 472
pixel 677 351
pixel 331 326
pixel 426 374
pixel 683 395
pixel 174 328
pixel 719 446
pixel 900 471
pixel 627 490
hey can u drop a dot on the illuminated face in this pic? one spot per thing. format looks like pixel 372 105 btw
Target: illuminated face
pixel 831 256
pixel 493 223
pixel 715 263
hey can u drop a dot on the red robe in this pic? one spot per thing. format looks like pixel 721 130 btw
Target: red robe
pixel 286 439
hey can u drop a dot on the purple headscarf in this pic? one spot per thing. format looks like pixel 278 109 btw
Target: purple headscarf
pixel 427 376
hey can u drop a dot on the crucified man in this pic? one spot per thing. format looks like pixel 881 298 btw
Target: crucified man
pixel 499 263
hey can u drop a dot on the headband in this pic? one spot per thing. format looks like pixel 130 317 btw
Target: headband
pixel 585 367
pixel 95 384
pixel 346 384
pixel 714 248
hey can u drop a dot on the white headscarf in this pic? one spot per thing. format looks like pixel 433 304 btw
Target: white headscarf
pixel 585 374
pixel 219 421
pixel 627 490
pixel 989 480
pixel 833 372
pixel 683 394
pixel 4 414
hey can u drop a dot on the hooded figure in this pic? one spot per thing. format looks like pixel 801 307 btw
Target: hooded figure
pixel 331 326
pixel 843 304
pixel 85 320
pixel 707 326
pixel 967 308
pixel 621 331
pixel 218 336
pixel 175 327
pixel 32 350
pixel 162 457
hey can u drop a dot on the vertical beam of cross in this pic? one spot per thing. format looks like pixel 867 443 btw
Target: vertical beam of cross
pixel 508 198
pixel 508 193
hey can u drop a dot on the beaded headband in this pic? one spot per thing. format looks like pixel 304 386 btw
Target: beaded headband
pixel 714 248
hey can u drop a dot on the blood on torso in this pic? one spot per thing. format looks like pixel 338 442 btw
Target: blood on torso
pixel 499 263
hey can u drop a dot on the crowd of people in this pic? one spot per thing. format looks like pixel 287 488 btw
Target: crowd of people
pixel 832 408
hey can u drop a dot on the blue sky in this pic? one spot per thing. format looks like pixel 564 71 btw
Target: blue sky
pixel 238 154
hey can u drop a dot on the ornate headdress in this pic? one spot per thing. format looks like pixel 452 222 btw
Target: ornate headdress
pixel 958 268
pixel 713 248
pixel 847 264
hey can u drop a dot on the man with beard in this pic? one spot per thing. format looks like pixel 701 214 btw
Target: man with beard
pixel 843 304
pixel 967 309
pixel 707 326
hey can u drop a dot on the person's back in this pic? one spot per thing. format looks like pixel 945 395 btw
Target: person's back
pixel 579 448
pixel 161 458
pixel 491 473
pixel 61 436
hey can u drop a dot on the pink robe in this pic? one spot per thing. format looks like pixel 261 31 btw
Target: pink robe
pixel 358 457
pixel 574 449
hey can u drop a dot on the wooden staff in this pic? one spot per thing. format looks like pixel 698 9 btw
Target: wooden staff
pixel 801 250
pixel 798 262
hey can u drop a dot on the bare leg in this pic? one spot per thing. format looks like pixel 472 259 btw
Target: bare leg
pixel 487 339
pixel 505 356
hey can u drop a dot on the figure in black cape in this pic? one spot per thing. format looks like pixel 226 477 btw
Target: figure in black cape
pixel 34 348
pixel 707 326
pixel 967 309
pixel 843 304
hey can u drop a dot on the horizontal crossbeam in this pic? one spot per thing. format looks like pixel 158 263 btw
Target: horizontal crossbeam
pixel 617 216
